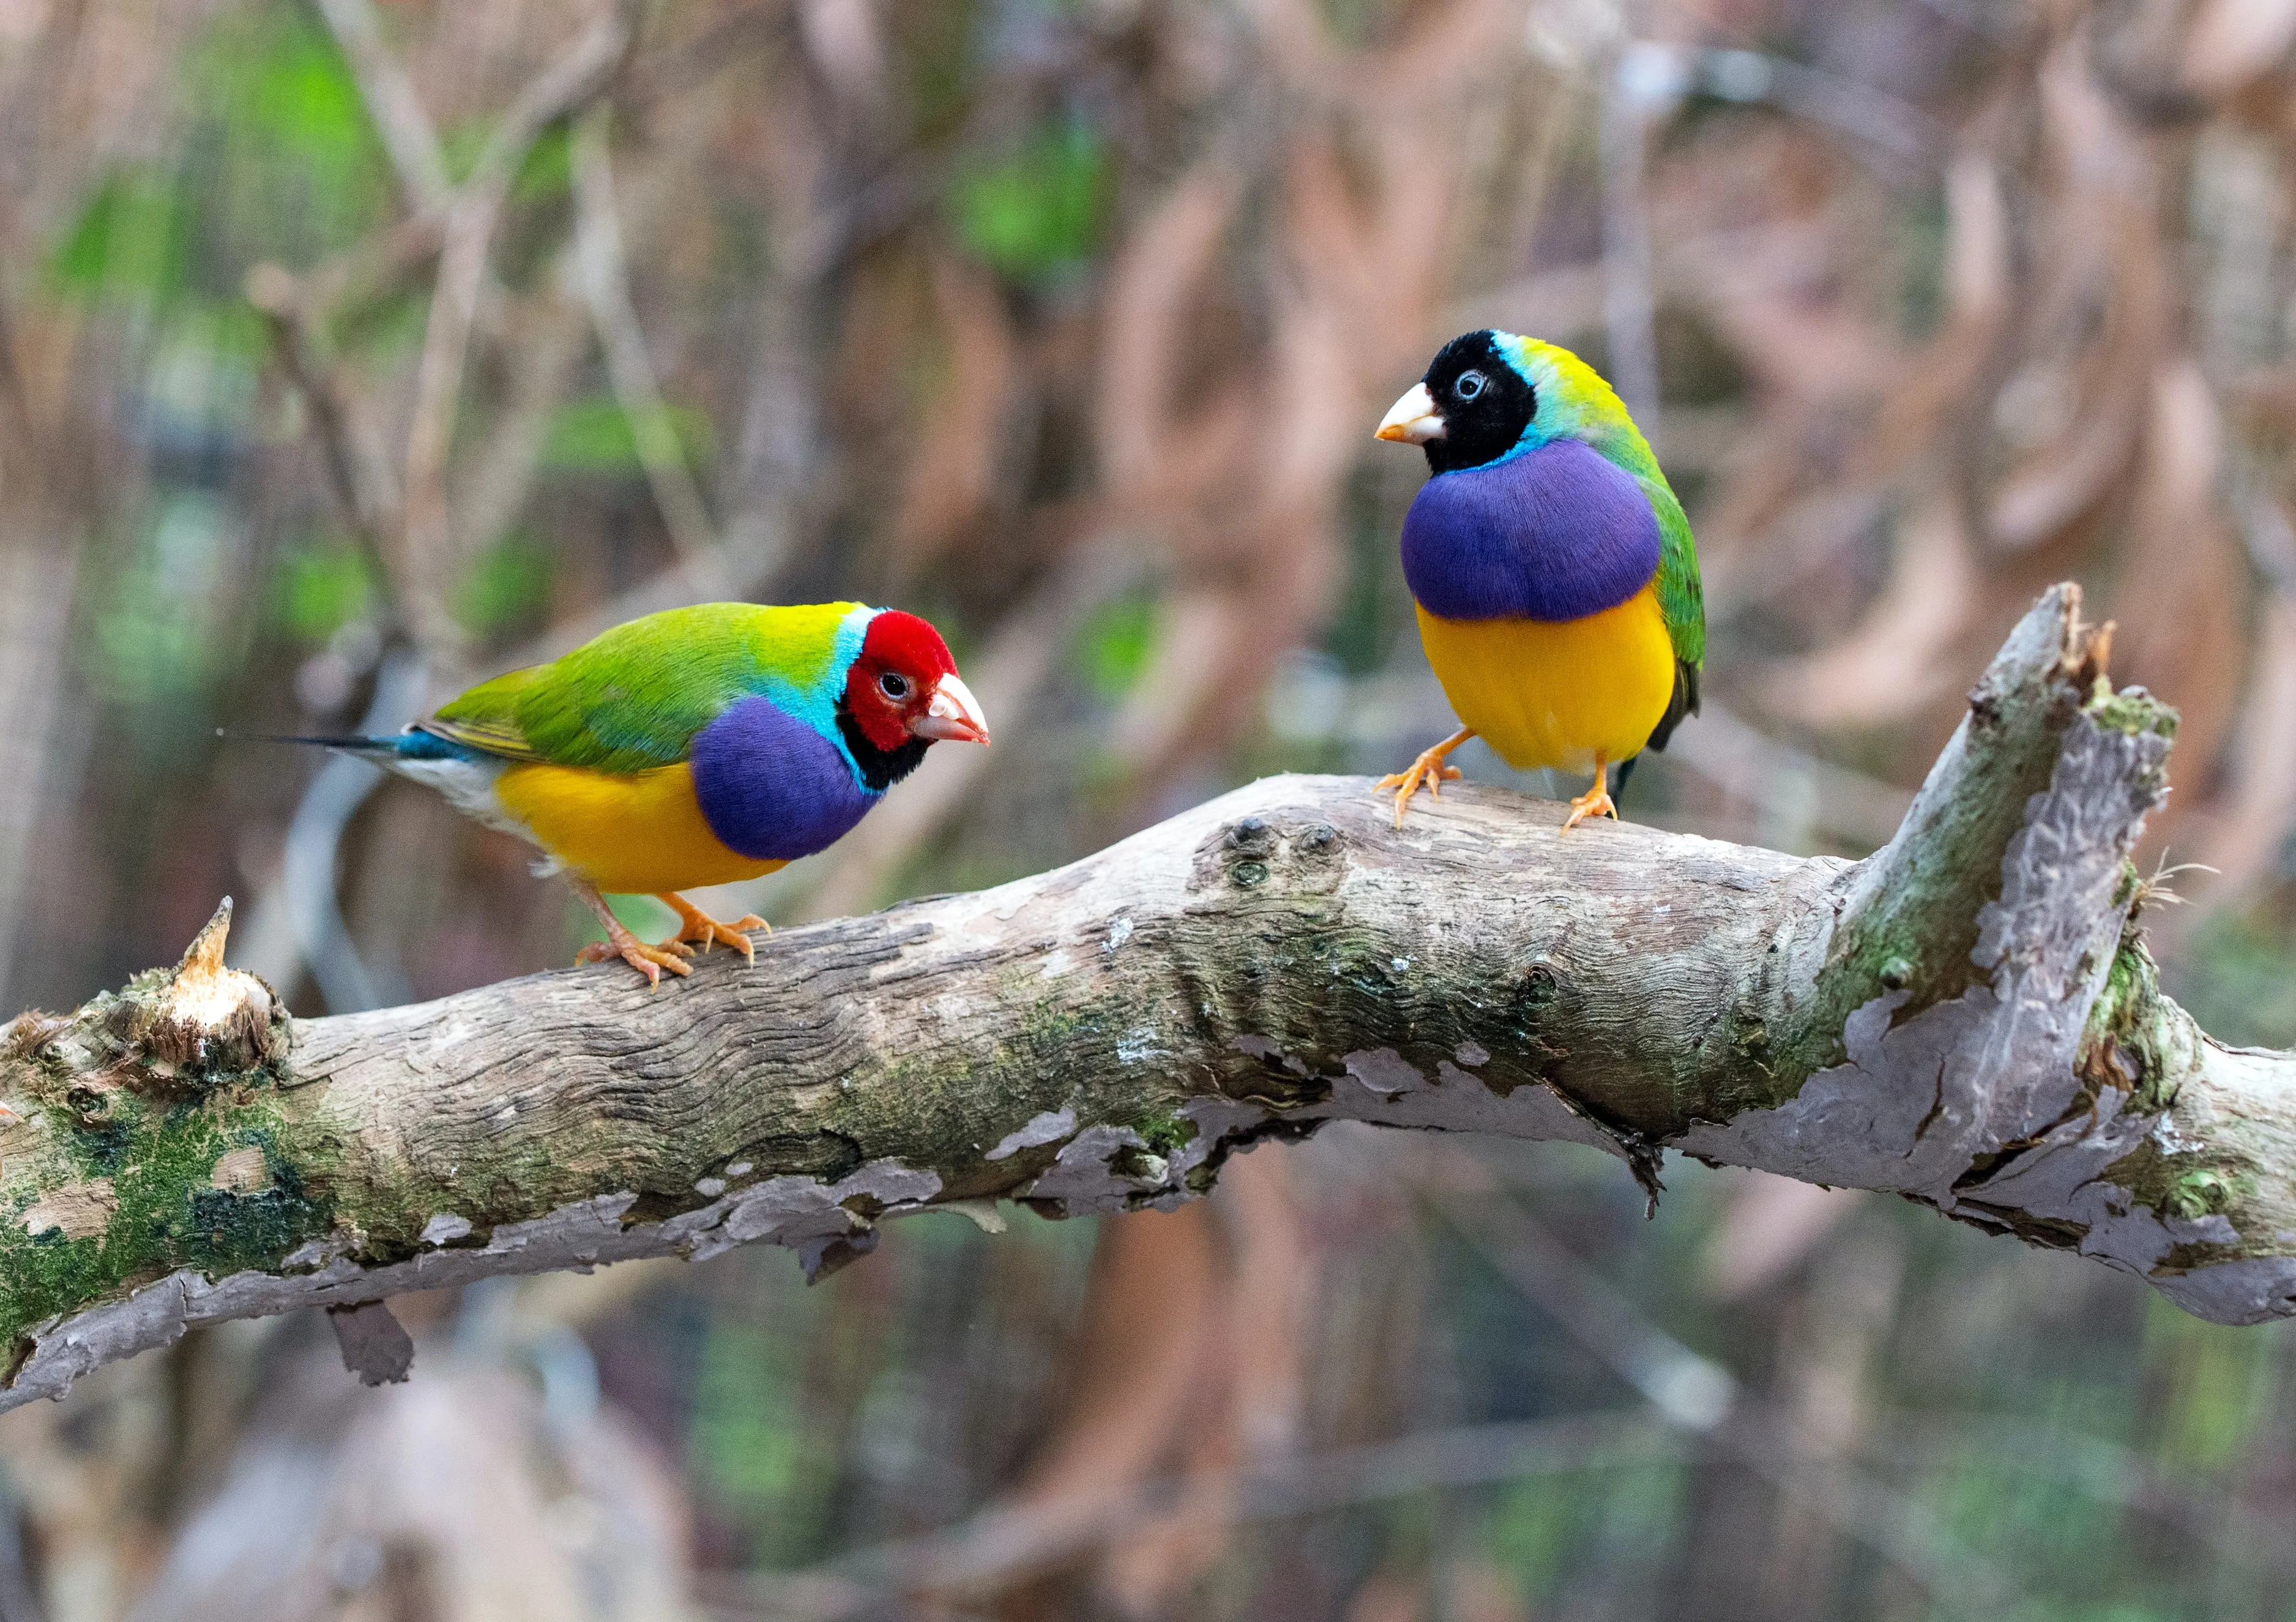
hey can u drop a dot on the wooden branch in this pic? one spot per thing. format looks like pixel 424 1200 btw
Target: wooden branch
pixel 1969 1018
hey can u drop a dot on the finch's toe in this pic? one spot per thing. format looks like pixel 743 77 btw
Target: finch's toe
pixel 1595 804
pixel 1430 770
pixel 697 925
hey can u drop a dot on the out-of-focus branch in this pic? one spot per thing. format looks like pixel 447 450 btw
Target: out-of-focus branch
pixel 2243 834
pixel 1641 86
pixel 364 484
pixel 1696 1396
pixel 314 838
pixel 602 271
pixel 1790 785
pixel 544 350
pixel 402 522
pixel 391 101
pixel 1002 1547
pixel 579 73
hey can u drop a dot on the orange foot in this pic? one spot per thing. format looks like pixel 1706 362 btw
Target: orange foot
pixel 695 925
pixel 620 942
pixel 1428 768
pixel 648 960
pixel 1594 802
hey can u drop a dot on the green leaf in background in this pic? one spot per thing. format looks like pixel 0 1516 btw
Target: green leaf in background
pixel 548 171
pixel 2238 978
pixel 320 588
pixel 507 586
pixel 1040 209
pixel 2216 1389
pixel 276 161
pixel 160 631
pixel 593 436
pixel 301 94
pixel 297 169
pixel 132 239
pixel 749 1451
pixel 1115 642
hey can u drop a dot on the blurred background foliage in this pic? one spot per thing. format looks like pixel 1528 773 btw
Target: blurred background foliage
pixel 352 350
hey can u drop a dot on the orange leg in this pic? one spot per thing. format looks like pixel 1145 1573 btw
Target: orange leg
pixel 620 942
pixel 1595 801
pixel 1427 768
pixel 696 924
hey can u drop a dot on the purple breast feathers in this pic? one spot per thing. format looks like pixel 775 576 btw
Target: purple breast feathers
pixel 770 786
pixel 1555 533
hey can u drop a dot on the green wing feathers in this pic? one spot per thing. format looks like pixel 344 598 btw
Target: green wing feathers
pixel 1681 602
pixel 1680 597
pixel 634 698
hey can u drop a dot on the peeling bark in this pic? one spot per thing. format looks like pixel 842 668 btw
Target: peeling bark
pixel 1968 1019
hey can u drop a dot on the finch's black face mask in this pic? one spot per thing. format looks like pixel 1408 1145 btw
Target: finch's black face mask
pixel 1485 402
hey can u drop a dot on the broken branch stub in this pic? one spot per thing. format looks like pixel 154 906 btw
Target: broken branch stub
pixel 1969 1018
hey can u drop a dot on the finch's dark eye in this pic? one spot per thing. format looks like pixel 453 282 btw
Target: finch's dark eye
pixel 1470 384
pixel 893 685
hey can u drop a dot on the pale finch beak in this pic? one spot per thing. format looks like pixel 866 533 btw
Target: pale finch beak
pixel 1413 419
pixel 953 715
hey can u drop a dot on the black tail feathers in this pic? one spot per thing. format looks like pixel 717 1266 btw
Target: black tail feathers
pixel 1683 703
pixel 369 745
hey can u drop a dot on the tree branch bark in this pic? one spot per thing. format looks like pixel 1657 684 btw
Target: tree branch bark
pixel 1969 1018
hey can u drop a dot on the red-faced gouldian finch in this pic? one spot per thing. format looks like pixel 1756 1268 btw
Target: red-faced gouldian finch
pixel 1554 574
pixel 695 746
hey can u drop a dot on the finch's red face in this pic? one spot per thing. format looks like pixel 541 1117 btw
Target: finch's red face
pixel 904 686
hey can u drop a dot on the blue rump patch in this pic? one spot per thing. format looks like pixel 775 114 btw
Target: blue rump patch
pixel 1555 533
pixel 770 786
pixel 416 745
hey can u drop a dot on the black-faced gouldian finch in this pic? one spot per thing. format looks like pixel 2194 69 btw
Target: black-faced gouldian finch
pixel 1554 574
pixel 696 747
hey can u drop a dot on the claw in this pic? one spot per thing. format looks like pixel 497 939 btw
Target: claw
pixel 620 942
pixel 1430 770
pixel 695 925
pixel 1594 802
pixel 648 960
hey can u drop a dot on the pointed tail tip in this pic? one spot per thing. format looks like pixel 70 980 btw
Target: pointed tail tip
pixel 346 741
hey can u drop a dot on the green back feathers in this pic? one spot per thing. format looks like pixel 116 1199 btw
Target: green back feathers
pixel 634 697
pixel 1574 402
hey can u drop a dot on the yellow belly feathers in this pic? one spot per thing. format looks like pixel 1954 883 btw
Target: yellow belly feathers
pixel 633 835
pixel 1557 693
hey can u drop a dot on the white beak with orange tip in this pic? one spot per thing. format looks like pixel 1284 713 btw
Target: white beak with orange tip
pixel 953 715
pixel 1413 420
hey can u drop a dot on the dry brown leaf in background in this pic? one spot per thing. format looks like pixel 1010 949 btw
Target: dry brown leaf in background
pixel 2232 41
pixel 2245 832
pixel 2179 594
pixel 959 459
pixel 1151 1308
pixel 1892 663
pixel 1769 1227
